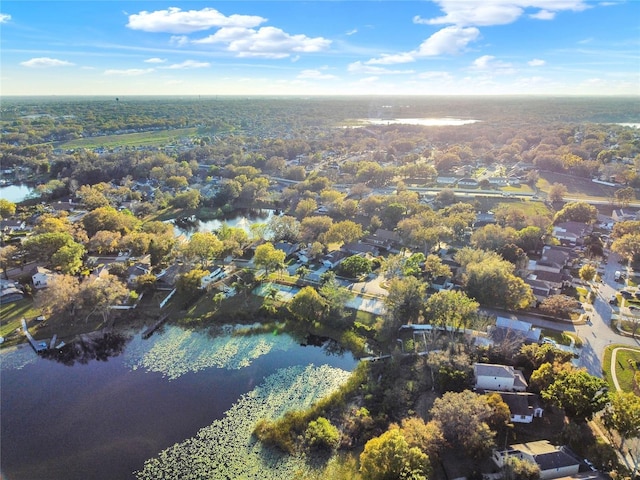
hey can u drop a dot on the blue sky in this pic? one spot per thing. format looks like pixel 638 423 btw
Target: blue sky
pixel 429 47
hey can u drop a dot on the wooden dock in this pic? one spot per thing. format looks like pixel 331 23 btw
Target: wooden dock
pixel 149 331
pixel 38 345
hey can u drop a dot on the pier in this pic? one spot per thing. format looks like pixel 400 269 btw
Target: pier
pixel 38 345
pixel 149 331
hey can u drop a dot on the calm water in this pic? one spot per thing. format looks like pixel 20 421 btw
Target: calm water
pixel 15 193
pixel 103 419
pixel 244 221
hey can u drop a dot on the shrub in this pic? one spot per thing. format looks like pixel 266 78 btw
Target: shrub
pixel 321 434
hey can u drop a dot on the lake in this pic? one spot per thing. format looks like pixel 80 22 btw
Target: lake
pixel 15 193
pixel 243 220
pixel 102 419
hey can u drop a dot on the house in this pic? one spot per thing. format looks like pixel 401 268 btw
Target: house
pixel 504 378
pixel 446 180
pixel 213 276
pixel 9 226
pixel 287 248
pixel 65 206
pixel 41 276
pixel 554 462
pixel 383 239
pixel 10 294
pixel 355 248
pixel 135 270
pixel 333 259
pixel 483 219
pixel 498 181
pixel 527 330
pixel 441 283
pixel 468 183
pixel 524 407
pixel 571 233
pixel 166 279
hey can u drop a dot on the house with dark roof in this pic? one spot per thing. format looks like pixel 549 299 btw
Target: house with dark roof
pixel 524 406
pixel 571 233
pixel 503 378
pixel 383 239
pixel 554 462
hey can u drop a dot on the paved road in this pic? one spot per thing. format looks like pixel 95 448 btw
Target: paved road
pixel 598 333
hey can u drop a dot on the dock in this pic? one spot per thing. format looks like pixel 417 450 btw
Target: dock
pixel 38 345
pixel 149 331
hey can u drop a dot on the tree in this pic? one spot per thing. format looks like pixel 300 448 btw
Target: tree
pixel 336 298
pixel 576 212
pixel 627 246
pixel 189 199
pixel 587 272
pixel 268 257
pixel 517 469
pixel 492 282
pixel 578 393
pixel 530 239
pixel 389 457
pixel 99 294
pixel 346 231
pixel 625 196
pixel 284 228
pixel 108 218
pixel 428 437
pixel 463 418
pixel 623 415
pixel 8 259
pixel 7 208
pixel 355 266
pixel 493 237
pixel 404 301
pixel 307 306
pixel 60 296
pixel 68 259
pixel 189 283
pixel 321 434
pixel 450 308
pixel 434 268
pixel 559 305
pixel 313 227
pixel 306 207
pixel 203 246
pixel 556 193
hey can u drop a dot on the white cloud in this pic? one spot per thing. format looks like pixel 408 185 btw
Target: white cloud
pixel 188 64
pixel 315 75
pixel 488 63
pixel 543 15
pixel 266 42
pixel 435 76
pixel 449 40
pixel 131 72
pixel 497 12
pixel 363 68
pixel 45 62
pixel 4 17
pixel 155 60
pixel 391 59
pixel 352 32
pixel 536 62
pixel 179 40
pixel 174 20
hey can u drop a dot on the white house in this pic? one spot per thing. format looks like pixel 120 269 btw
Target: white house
pixel 213 276
pixel 503 378
pixel 41 277
pixel 524 407
pixel 554 462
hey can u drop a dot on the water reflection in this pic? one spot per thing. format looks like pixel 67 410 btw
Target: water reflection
pixel 244 219
pixel 96 346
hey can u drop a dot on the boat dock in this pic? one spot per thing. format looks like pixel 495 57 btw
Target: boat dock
pixel 149 331
pixel 38 345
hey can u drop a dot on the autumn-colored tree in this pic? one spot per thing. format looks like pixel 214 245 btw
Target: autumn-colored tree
pixel 389 457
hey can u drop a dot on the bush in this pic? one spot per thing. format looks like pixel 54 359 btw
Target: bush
pixel 321 434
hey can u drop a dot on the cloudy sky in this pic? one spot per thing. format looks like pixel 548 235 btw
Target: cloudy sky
pixel 429 47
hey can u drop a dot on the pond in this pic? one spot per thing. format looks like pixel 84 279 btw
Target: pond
pixel 240 219
pixel 16 193
pixel 172 400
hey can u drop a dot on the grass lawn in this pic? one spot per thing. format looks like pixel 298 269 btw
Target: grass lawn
pixel 624 371
pixel 156 138
pixel 12 313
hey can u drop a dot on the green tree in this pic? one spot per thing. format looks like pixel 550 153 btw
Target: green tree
pixel 346 231
pixel 404 301
pixel 627 246
pixel 189 283
pixel 576 212
pixel 587 272
pixel 625 196
pixel 284 228
pixel 389 457
pixel 203 246
pixel 99 294
pixel 428 437
pixel 517 469
pixel 492 282
pixel 321 434
pixel 189 199
pixel 434 268
pixel 355 266
pixel 463 418
pixel 7 208
pixel 307 306
pixel 450 308
pixel 68 258
pixel 623 415
pixel 268 257
pixel 578 393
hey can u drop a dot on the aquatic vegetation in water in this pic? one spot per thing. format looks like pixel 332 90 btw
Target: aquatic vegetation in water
pixel 178 352
pixel 16 358
pixel 227 449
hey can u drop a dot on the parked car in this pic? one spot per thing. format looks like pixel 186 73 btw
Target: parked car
pixel 626 294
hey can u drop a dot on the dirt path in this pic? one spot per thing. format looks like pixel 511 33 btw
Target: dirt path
pixel 614 352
